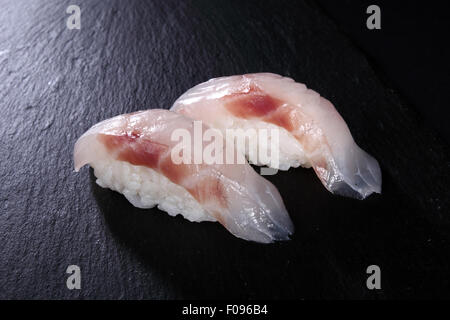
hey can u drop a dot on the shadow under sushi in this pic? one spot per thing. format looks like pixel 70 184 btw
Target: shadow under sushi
pixel 335 240
pixel 203 260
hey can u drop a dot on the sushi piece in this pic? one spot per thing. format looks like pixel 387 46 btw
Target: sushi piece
pixel 133 154
pixel 311 131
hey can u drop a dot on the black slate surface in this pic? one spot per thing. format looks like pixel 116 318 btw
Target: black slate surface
pixel 407 52
pixel 129 55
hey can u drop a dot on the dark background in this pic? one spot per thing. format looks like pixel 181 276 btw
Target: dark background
pixel 388 84
pixel 409 54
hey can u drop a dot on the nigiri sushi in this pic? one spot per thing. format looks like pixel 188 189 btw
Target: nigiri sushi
pixel 131 154
pixel 311 131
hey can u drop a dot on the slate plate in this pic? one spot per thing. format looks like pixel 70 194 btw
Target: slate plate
pixel 130 55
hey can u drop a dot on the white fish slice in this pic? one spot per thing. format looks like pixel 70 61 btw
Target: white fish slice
pixel 131 154
pixel 311 131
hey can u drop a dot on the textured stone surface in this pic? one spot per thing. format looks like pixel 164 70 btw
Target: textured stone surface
pixel 129 55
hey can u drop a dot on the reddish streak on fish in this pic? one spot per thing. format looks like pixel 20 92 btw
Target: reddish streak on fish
pixel 257 104
pixel 286 117
pixel 134 149
pixel 203 190
pixel 175 172
pixel 208 188
pixel 251 104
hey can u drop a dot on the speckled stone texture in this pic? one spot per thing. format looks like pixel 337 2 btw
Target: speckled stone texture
pixel 130 55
